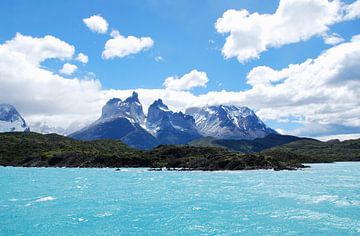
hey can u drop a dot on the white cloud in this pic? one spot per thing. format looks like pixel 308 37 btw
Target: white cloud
pixel 36 50
pixel 341 137
pixel 323 94
pixel 250 34
pixel 352 10
pixel 323 91
pixel 68 69
pixel 120 46
pixel 39 94
pixel 186 82
pixel 96 23
pixel 81 57
pixel 333 39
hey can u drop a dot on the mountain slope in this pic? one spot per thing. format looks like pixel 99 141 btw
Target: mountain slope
pixel 11 120
pixel 228 122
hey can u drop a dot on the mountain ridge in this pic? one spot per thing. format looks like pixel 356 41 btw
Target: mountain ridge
pixel 228 122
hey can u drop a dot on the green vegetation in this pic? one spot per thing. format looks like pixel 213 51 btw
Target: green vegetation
pixel 289 148
pixel 32 149
pixel 211 158
pixel 313 151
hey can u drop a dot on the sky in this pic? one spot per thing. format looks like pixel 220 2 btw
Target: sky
pixel 295 62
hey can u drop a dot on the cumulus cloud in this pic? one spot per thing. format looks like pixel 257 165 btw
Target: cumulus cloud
pixel 36 50
pixel 121 46
pixel 186 82
pixel 81 57
pixel 323 91
pixel 96 23
pixel 250 34
pixel 68 69
pixel 322 94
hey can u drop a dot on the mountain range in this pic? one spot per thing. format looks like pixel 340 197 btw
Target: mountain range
pixel 126 121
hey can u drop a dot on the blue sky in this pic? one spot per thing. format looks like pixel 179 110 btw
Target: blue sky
pixel 184 35
pixel 181 31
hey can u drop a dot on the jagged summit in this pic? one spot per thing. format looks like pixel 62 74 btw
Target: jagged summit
pixel 11 120
pixel 130 108
pixel 160 104
pixel 133 98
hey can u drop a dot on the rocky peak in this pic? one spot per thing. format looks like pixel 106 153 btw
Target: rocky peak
pixel 156 112
pixel 130 108
pixel 168 126
pixel 134 98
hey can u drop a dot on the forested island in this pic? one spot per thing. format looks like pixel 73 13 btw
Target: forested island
pixel 52 150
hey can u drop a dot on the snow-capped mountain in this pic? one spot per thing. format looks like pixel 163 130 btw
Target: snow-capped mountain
pixel 170 127
pixel 11 120
pixel 228 122
pixel 120 120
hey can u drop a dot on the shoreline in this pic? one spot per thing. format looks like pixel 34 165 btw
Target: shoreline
pixel 164 169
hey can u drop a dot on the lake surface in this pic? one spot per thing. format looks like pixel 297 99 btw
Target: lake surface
pixel 322 200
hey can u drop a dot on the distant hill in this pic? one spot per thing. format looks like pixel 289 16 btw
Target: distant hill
pixel 247 146
pixel 313 151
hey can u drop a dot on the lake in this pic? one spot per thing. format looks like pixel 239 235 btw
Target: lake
pixel 321 200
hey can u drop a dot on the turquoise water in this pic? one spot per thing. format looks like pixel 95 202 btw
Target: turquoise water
pixel 322 200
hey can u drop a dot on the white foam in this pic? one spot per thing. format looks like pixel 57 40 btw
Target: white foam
pixel 104 214
pixel 45 199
